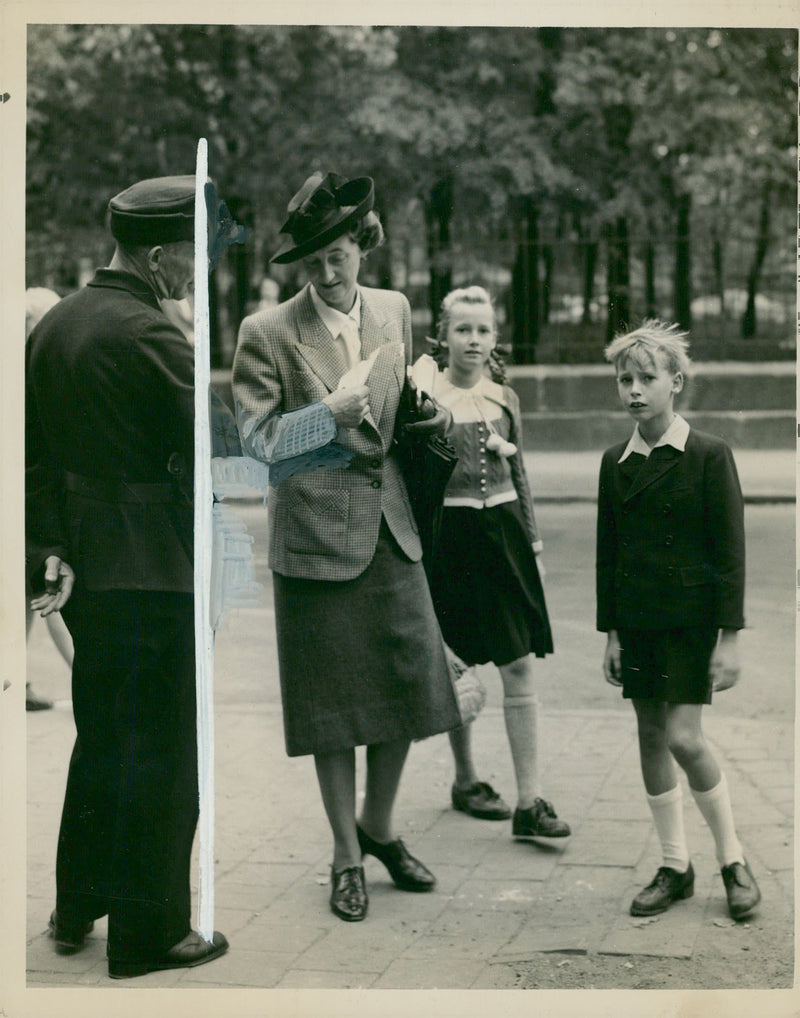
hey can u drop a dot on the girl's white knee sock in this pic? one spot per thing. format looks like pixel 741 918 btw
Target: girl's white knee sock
pixel 521 717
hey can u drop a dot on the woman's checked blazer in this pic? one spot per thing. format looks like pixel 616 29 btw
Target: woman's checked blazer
pixel 324 525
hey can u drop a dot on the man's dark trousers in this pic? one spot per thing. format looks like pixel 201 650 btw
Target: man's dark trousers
pixel 131 804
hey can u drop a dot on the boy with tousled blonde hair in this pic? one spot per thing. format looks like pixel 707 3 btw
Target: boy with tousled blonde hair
pixel 670 596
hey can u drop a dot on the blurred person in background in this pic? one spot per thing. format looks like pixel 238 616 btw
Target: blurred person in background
pixel 38 301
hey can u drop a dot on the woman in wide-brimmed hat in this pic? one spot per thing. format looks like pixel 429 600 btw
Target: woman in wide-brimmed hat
pixel 361 657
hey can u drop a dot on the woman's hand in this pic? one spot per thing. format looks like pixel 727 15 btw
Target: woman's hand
pixel 540 566
pixel 348 406
pixel 724 665
pixel 612 660
pixel 437 419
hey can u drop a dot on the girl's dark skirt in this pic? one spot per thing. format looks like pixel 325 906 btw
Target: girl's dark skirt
pixel 486 587
pixel 671 665
pixel 362 661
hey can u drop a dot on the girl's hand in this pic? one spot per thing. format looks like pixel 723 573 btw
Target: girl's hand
pixel 724 667
pixel 612 660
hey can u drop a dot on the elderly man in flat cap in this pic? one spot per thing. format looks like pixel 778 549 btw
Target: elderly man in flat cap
pixel 109 520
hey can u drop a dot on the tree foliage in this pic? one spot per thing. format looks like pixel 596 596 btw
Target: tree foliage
pixel 595 126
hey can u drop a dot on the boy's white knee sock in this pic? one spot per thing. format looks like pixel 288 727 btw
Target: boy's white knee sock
pixel 667 810
pixel 521 716
pixel 715 805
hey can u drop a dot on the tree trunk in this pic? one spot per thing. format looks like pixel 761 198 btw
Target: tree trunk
pixel 651 303
pixel 718 265
pixel 525 302
pixel 215 345
pixel 589 265
pixel 762 243
pixel 547 284
pixel 683 280
pixel 438 213
pixel 619 303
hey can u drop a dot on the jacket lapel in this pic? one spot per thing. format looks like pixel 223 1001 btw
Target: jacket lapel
pixel 371 329
pixel 387 374
pixel 658 463
pixel 316 345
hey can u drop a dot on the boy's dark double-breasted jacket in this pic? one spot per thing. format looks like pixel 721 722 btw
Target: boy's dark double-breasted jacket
pixel 670 538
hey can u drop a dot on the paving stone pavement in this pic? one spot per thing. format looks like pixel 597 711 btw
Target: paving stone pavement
pixel 498 901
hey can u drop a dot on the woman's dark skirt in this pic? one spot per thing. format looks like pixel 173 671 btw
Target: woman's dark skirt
pixel 486 587
pixel 362 661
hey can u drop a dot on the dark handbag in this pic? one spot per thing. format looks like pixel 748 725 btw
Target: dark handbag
pixel 427 464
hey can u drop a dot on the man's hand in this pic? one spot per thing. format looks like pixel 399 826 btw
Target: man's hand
pixel 348 406
pixel 724 665
pixel 58 581
pixel 612 660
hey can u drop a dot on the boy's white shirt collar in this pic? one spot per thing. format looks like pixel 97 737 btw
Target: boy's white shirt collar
pixel 333 319
pixel 675 435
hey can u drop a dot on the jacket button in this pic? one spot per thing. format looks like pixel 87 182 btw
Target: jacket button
pixel 670 570
pixel 667 509
pixel 668 540
pixel 375 484
pixel 626 574
pixel 374 464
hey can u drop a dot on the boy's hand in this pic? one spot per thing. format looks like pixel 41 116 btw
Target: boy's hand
pixel 612 661
pixel 724 665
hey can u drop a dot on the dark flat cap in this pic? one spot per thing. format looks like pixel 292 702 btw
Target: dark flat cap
pixel 324 208
pixel 155 211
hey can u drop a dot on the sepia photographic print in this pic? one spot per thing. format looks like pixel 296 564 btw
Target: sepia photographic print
pixel 401 472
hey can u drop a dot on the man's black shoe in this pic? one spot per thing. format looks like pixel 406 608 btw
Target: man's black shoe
pixel 192 950
pixel 69 937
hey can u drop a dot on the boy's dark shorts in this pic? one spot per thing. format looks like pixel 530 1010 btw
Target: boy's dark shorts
pixel 667 664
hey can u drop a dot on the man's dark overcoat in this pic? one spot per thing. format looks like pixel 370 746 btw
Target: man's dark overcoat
pixel 109 450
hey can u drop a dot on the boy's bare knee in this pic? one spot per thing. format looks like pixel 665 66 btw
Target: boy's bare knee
pixel 685 746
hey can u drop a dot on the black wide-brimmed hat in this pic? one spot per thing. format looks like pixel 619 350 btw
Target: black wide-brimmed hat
pixel 155 211
pixel 324 208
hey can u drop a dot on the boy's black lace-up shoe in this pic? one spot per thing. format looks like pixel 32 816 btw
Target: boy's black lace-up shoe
pixel 538 821
pixel 741 889
pixel 667 886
